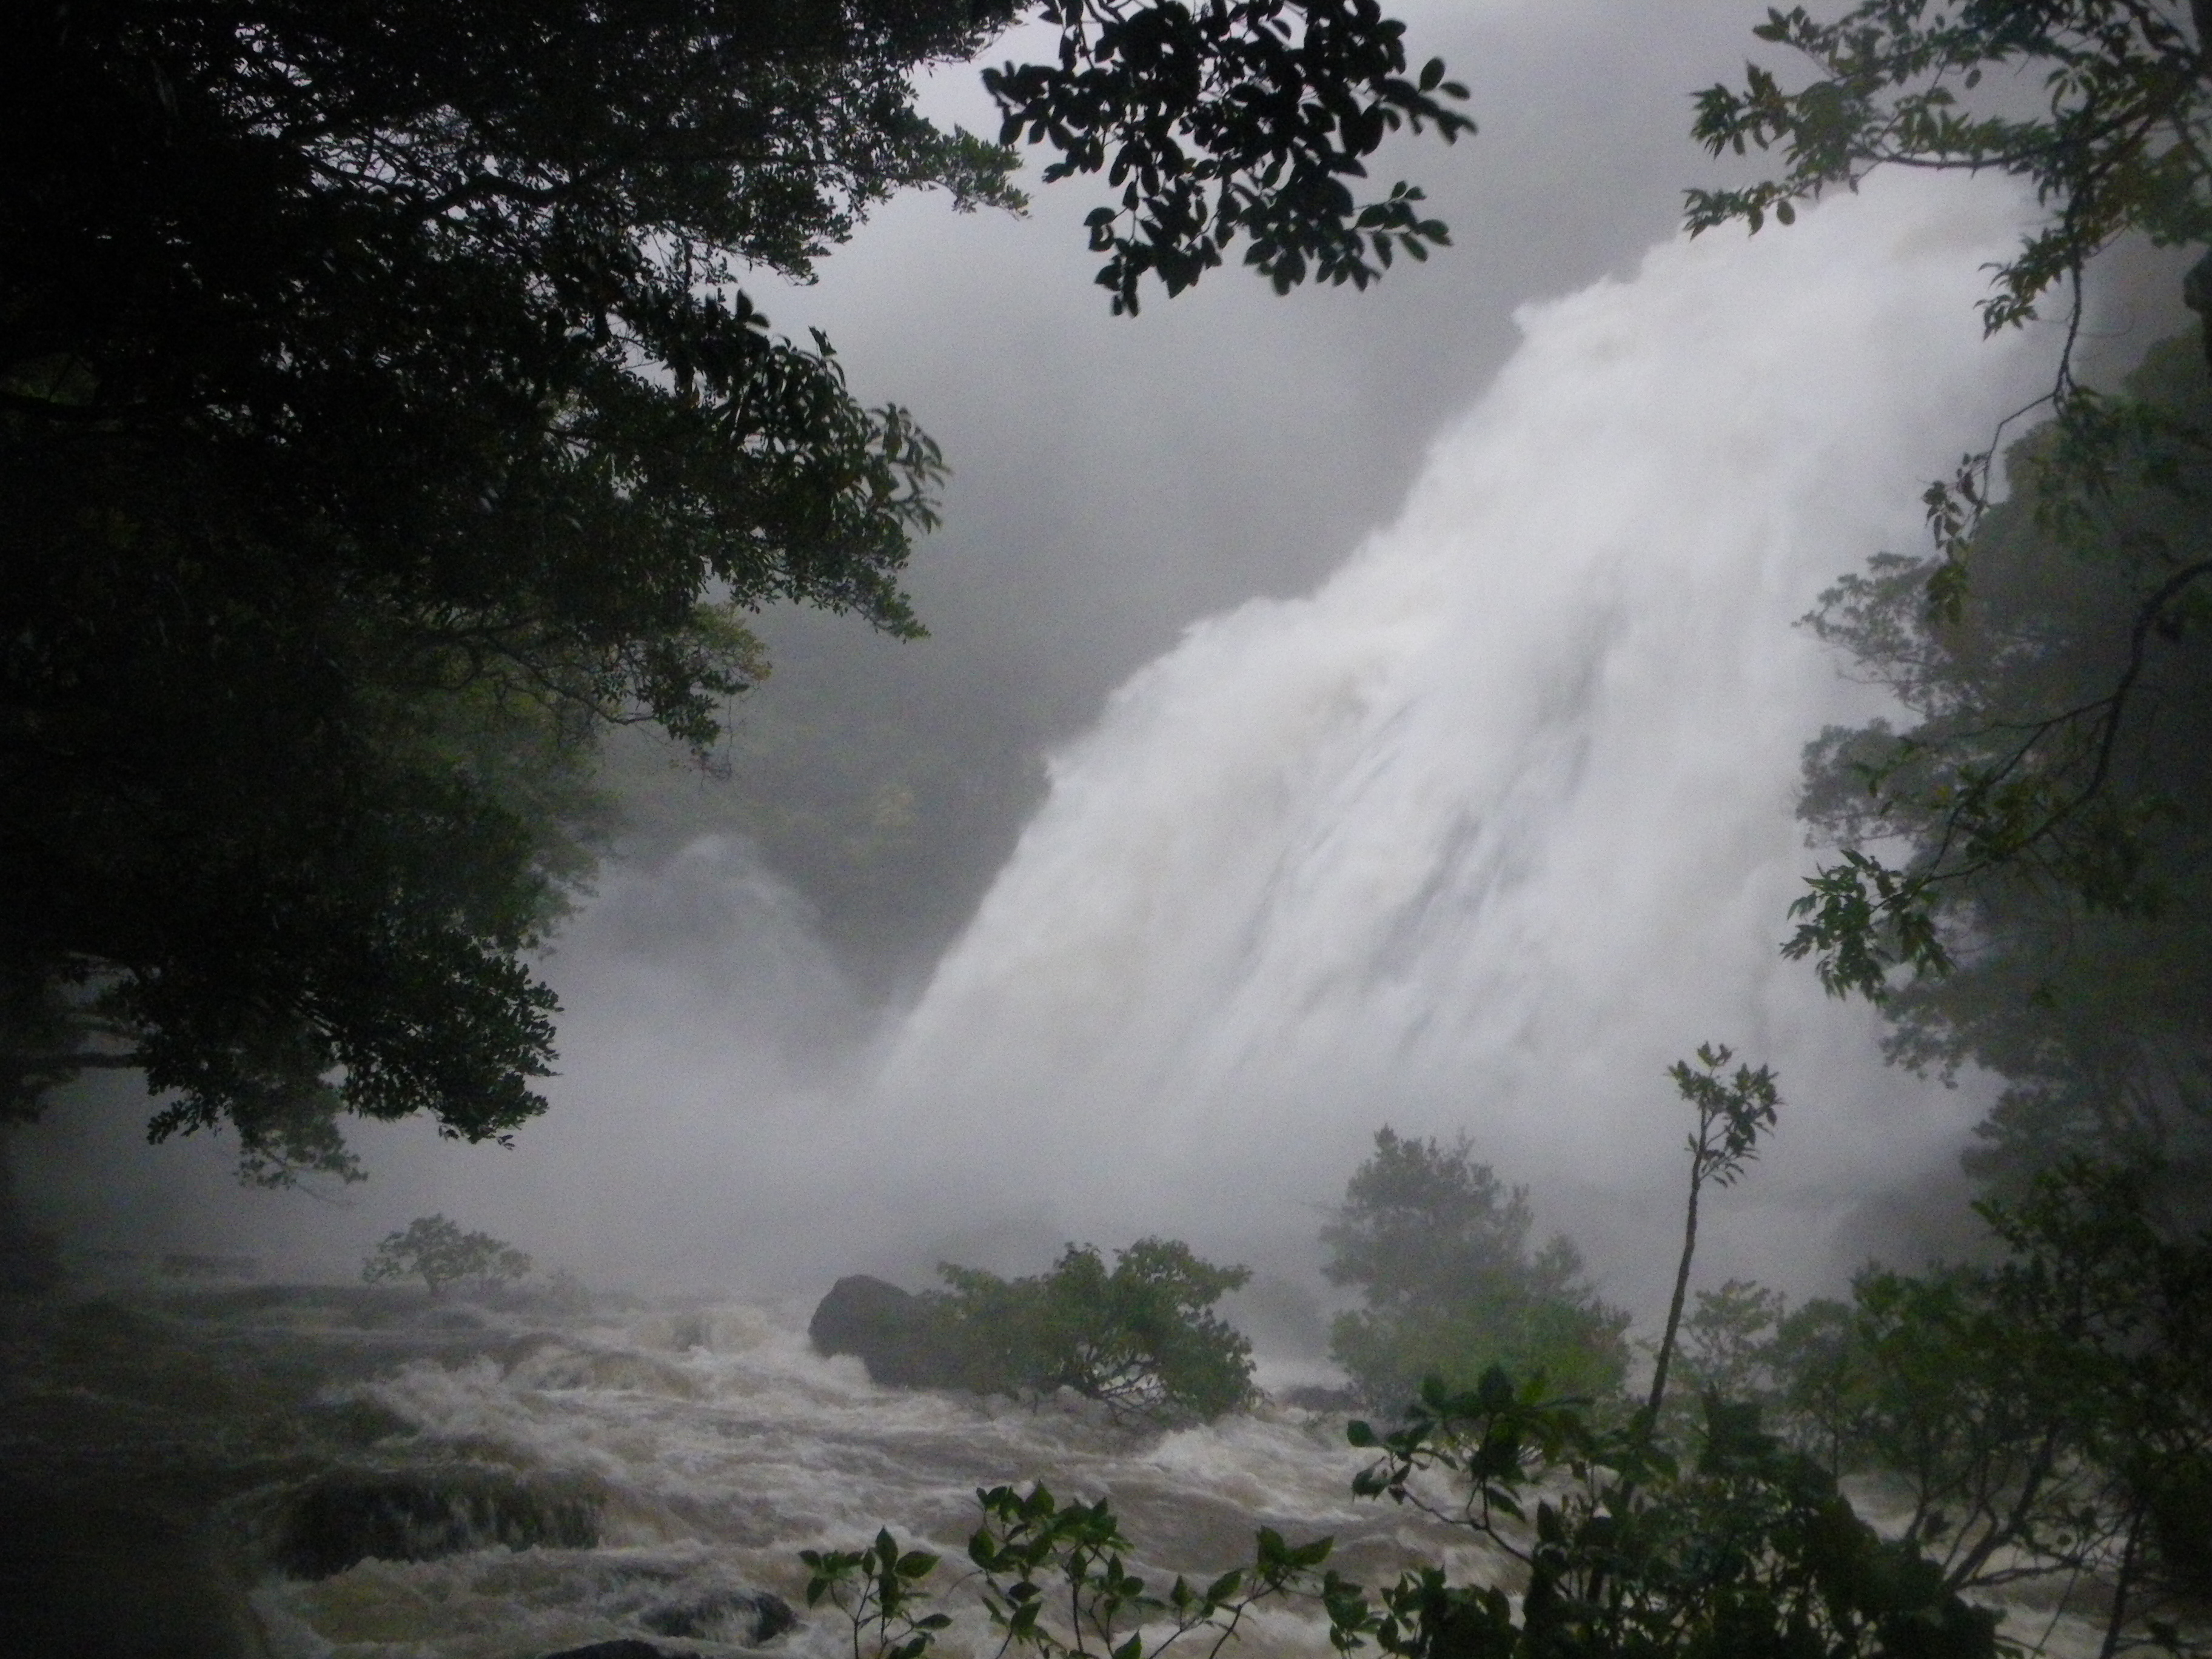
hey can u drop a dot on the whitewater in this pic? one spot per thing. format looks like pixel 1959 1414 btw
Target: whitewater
pixel 1479 835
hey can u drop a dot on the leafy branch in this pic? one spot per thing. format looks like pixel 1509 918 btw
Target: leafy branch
pixel 1053 1579
pixel 1238 120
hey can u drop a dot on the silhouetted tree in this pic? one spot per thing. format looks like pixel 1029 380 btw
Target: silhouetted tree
pixel 383 412
pixel 1438 1248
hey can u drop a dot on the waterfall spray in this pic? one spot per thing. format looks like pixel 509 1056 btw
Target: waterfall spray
pixel 1497 820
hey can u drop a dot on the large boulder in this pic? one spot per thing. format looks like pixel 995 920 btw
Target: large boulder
pixel 896 1334
pixel 420 1515
pixel 103 1575
pixel 747 1618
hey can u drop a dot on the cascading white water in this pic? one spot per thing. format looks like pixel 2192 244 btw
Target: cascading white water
pixel 1497 822
pixel 1480 834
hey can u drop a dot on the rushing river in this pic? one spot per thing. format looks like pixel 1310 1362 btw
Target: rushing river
pixel 336 1472
pixel 579 1477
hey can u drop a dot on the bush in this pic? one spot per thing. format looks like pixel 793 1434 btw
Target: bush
pixel 1632 1541
pixel 2047 1416
pixel 436 1251
pixel 1438 1248
pixel 1740 1549
pixel 1141 1337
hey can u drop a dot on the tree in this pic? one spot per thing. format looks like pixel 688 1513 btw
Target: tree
pixel 383 413
pixel 2045 1418
pixel 1722 1340
pixel 2057 867
pixel 437 1252
pixel 1438 1248
pixel 1630 1538
pixel 1741 1544
pixel 1733 1112
pixel 1051 1579
pixel 1140 1337
pixel 2116 146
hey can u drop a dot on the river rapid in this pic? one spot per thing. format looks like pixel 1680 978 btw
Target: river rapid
pixel 215 1463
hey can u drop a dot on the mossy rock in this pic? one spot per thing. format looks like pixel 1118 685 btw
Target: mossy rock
pixel 422 1514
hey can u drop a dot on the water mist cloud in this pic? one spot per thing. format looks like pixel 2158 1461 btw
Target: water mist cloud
pixel 1497 822
pixel 1478 833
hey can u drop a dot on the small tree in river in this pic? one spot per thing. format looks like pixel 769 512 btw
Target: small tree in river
pixel 1438 1248
pixel 1141 1337
pixel 437 1252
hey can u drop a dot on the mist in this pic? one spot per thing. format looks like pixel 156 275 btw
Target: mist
pixel 1340 709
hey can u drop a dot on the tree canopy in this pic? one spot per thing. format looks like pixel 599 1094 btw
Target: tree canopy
pixel 1142 1337
pixel 439 1253
pixel 1437 1248
pixel 2111 136
pixel 384 411
pixel 2103 106
pixel 2076 964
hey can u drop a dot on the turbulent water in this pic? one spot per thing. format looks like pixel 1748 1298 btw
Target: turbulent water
pixel 336 1472
pixel 584 1477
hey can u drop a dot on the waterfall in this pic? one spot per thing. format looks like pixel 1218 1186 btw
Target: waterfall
pixel 1497 822
pixel 1478 835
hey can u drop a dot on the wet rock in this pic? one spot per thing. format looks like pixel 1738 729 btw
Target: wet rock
pixel 354 1423
pixel 30 1261
pixel 744 1617
pixel 627 1647
pixel 1316 1397
pixel 890 1330
pixel 420 1515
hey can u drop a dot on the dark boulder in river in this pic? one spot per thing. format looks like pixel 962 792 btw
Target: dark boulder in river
pixel 744 1617
pixel 101 1576
pixel 420 1515
pixel 892 1331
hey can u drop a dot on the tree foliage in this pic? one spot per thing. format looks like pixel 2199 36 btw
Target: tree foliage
pixel 1438 1248
pixel 383 411
pixel 2103 106
pixel 1140 1337
pixel 1739 1544
pixel 437 1252
pixel 1733 1112
pixel 1747 1547
pixel 1051 1577
pixel 2111 138
pixel 2044 1418
pixel 1253 114
pixel 2041 828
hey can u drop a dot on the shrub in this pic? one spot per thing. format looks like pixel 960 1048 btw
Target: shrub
pixel 1438 1248
pixel 436 1251
pixel 1141 1337
pixel 1633 1541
